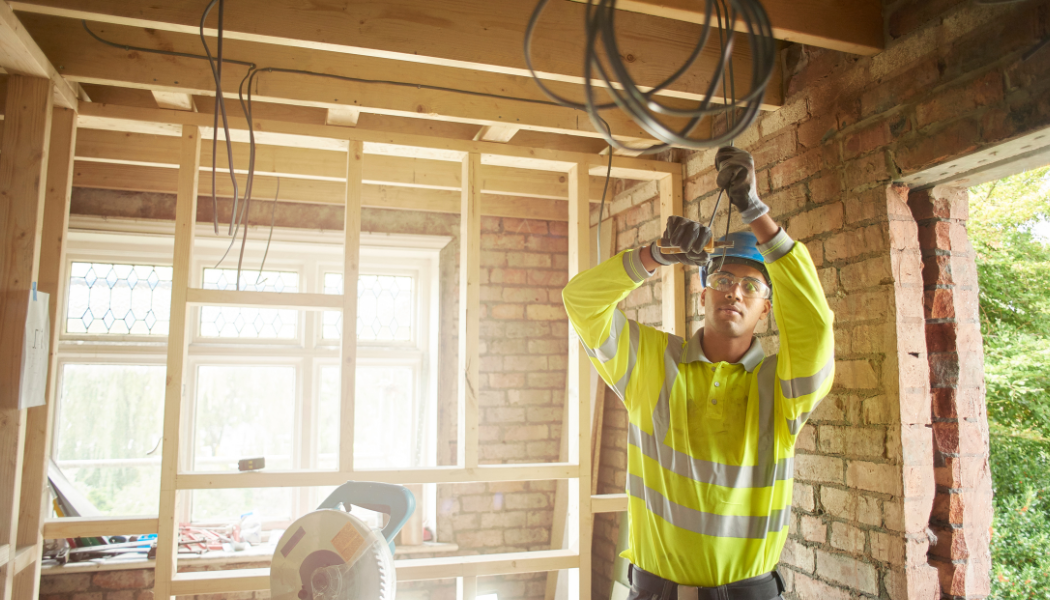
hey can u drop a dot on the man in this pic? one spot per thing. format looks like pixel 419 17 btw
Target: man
pixel 712 420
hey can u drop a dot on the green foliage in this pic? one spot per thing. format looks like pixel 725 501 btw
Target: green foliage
pixel 1013 267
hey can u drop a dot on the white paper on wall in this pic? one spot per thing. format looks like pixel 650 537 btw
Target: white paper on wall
pixel 34 352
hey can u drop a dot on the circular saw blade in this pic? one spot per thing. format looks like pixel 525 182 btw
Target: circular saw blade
pixel 331 555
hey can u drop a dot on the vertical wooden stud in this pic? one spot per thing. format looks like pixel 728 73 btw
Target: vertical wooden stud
pixel 469 310
pixel 33 507
pixel 579 378
pixel 351 270
pixel 182 263
pixel 23 168
pixel 673 278
pixel 466 588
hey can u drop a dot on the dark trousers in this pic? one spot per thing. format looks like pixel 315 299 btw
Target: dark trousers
pixel 646 586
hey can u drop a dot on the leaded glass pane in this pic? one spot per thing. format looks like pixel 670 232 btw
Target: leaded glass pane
pixel 384 308
pixel 251 323
pixel 108 298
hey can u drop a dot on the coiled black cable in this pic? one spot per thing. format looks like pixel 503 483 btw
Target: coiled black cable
pixel 644 107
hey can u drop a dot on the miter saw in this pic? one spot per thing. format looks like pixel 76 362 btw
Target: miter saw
pixel 330 554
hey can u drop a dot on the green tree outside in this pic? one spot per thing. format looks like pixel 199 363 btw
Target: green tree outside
pixel 1009 227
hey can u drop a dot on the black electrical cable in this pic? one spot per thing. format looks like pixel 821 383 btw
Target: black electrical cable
pixel 643 106
pixel 273 221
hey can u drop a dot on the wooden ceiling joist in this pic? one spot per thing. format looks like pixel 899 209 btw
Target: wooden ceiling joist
pixel 474 35
pixel 86 60
pixel 174 100
pixel 854 26
pixel 324 165
pixel 20 55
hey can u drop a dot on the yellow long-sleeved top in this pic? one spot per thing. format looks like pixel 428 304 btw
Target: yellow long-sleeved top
pixel 710 445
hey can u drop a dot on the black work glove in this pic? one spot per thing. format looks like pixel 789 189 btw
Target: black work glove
pixel 736 175
pixel 684 234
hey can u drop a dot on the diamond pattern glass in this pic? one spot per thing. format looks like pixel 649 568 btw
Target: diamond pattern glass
pixel 384 308
pixel 107 298
pixel 250 323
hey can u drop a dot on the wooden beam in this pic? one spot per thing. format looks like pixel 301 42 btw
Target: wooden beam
pixel 164 122
pixel 606 503
pixel 301 163
pixel 174 100
pixel 471 34
pixel 579 396
pixel 673 277
pixel 85 60
pixel 467 588
pixel 352 200
pixel 20 55
pixel 182 273
pixel 344 117
pixel 497 133
pixel 481 473
pixel 855 27
pixel 23 169
pixel 468 384
pixel 34 505
pixel 275 300
pixel 163 180
pixel 95 526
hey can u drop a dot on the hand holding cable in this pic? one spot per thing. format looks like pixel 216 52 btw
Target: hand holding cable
pixel 736 175
pixel 687 238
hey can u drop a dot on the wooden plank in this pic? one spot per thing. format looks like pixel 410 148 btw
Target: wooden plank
pixel 579 396
pixel 606 503
pixel 23 169
pixel 5 554
pixel 303 163
pixel 34 505
pixel 95 526
pixel 182 266
pixel 855 27
pixel 85 60
pixel 497 133
pixel 344 117
pixel 469 312
pixel 484 565
pixel 164 180
pixel 24 557
pixel 467 588
pixel 466 34
pixel 20 55
pixel 127 118
pixel 673 277
pixel 351 272
pixel 173 100
pixel 481 473
pixel 197 297
pixel 219 582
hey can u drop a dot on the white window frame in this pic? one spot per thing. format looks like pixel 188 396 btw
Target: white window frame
pixel 311 254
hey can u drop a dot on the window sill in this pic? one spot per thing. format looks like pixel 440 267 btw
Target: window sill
pixel 218 559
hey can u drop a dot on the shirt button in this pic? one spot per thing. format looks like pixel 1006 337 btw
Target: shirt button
pixel 713 369
pixel 717 384
pixel 714 402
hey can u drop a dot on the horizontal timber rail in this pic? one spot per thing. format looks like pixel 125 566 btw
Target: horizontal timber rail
pixel 197 296
pixel 607 503
pixel 268 479
pixel 99 115
pixel 417 569
pixel 95 526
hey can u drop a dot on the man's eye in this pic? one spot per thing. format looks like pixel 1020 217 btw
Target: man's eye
pixel 751 286
pixel 723 282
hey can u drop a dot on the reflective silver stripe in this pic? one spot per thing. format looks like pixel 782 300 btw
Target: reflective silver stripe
pixel 607 351
pixel 690 519
pixel 662 413
pixel 795 425
pixel 635 268
pixel 803 386
pixel 632 357
pixel 763 474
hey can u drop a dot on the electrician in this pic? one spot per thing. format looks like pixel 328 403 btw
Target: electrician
pixel 712 420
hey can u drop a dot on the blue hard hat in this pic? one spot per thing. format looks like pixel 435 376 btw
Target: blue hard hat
pixel 744 251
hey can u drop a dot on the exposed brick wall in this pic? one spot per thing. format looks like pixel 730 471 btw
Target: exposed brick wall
pixel 962 509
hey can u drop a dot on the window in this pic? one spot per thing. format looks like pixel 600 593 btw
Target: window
pixel 259 382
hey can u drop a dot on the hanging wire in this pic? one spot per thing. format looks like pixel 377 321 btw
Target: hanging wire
pixel 602 61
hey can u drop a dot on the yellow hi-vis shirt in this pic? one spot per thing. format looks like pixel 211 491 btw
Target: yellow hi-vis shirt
pixel 710 445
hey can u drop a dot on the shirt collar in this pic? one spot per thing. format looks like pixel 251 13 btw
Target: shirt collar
pixel 694 351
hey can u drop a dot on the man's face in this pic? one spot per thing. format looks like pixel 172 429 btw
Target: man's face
pixel 731 313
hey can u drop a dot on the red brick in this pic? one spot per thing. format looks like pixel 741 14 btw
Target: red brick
pixel 807 588
pixel 817 130
pixel 911 15
pixel 812 467
pixel 816 221
pixel 867 171
pixel 874 477
pixel 848 571
pixel 814 529
pixel 952 141
pixel 64 584
pixel 124 580
pixel 867 139
pixel 982 91
pixel 796 169
pixel 901 88
pixel 826 188
pixel 529 226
